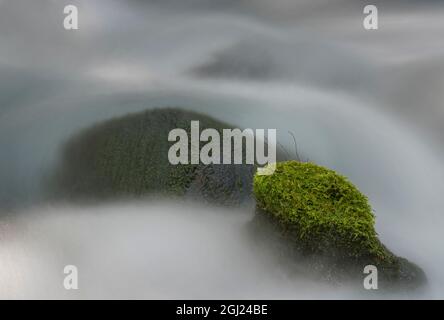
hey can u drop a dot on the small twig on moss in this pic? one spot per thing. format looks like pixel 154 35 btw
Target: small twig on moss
pixel 295 145
pixel 285 150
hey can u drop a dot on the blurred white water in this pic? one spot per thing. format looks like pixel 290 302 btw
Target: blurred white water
pixel 368 105
pixel 148 251
pixel 138 250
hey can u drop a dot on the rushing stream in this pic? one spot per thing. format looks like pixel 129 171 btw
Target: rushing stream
pixel 368 105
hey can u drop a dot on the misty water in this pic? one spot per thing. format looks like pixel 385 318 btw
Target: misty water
pixel 366 105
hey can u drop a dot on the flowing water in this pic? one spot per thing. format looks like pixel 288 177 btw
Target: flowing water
pixel 368 105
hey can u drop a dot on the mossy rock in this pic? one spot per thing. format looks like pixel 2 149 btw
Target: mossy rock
pixel 128 157
pixel 320 213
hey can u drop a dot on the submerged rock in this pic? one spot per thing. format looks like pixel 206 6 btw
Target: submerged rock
pixel 323 218
pixel 128 157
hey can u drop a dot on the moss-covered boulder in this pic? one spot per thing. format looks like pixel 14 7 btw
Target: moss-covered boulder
pixel 320 213
pixel 128 157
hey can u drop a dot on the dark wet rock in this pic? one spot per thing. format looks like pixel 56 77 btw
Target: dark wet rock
pixel 128 157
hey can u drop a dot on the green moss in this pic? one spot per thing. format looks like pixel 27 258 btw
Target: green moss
pixel 324 206
pixel 321 213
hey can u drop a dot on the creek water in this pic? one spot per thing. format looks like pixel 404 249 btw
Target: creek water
pixel 368 105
